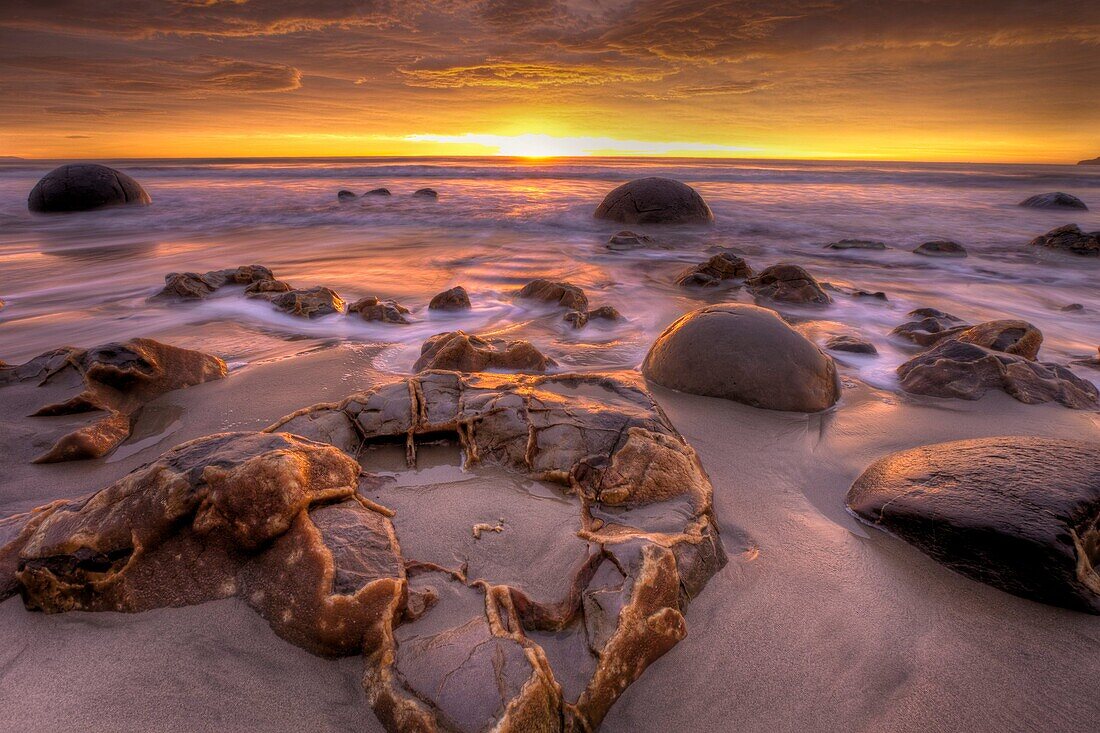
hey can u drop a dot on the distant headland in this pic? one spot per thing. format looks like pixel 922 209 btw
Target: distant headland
pixel 1094 161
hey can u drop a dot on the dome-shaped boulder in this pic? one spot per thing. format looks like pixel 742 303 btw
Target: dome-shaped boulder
pixel 746 354
pixel 1054 200
pixel 85 186
pixel 655 201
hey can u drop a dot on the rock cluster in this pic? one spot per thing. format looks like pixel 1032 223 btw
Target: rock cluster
pixel 115 380
pixel 1019 513
pixel 1070 238
pixel 282 520
pixel 309 303
pixel 451 300
pixel 371 308
pixel 722 266
pixel 85 186
pixel 746 354
pixel 580 319
pixel 655 201
pixel 788 283
pixel 1055 200
pixel 463 352
pixel 195 286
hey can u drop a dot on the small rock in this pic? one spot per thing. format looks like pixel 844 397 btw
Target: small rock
pixel 851 344
pixel 941 248
pixel 564 294
pixel 345 195
pixel 310 303
pixel 371 308
pixel 1072 307
pixel 462 352
pixel 1070 238
pixel 869 295
pixel 856 244
pixel 1056 200
pixel 85 186
pixel 627 240
pixel 655 201
pixel 788 284
pixel 724 266
pixel 267 288
pixel 378 192
pixel 451 300
pixel 428 193
pixel 579 319
pixel 930 327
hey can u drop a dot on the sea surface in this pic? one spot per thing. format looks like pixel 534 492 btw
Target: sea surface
pixel 85 279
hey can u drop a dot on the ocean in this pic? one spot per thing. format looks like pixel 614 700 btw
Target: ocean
pixel 85 279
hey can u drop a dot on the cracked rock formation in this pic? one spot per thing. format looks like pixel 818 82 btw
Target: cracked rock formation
pixel 564 294
pixel 195 286
pixel 111 384
pixel 1019 513
pixel 1055 200
pixel 309 303
pixel 929 327
pixel 454 299
pixel 84 186
pixel 788 283
pixel 655 201
pixel 1070 238
pixel 539 625
pixel 723 266
pixel 746 354
pixel 463 352
pixel 371 308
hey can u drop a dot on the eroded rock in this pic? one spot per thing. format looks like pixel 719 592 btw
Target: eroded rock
pixel 929 327
pixel 1010 336
pixel 1019 513
pixel 788 283
pixel 111 383
pixel 309 303
pixel 85 186
pixel 655 201
pixel 580 319
pixel 371 308
pixel 463 352
pixel 851 344
pixel 627 240
pixel 1070 238
pixel 1055 200
pixel 746 354
pixel 451 300
pixel 564 294
pixel 723 266
pixel 195 286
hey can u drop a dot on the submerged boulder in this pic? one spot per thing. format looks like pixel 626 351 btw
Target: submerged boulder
pixel 627 240
pixel 856 244
pixel 564 294
pixel 309 303
pixel 114 382
pixel 85 186
pixel 851 344
pixel 746 354
pixel 788 283
pixel 451 300
pixel 1055 200
pixel 1070 238
pixel 1019 513
pixel 371 308
pixel 426 193
pixel 345 195
pixel 941 248
pixel 655 201
pixel 378 192
pixel 580 319
pixel 929 327
pixel 723 266
pixel 463 352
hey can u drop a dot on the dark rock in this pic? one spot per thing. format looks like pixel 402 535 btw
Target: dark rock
pixel 788 283
pixel 371 308
pixel 1007 336
pixel 563 293
pixel 267 288
pixel 463 352
pixel 378 192
pixel 1072 307
pixel 428 193
pixel 346 195
pixel 1056 200
pixel 580 319
pixel 851 344
pixel 941 248
pixel 930 327
pixel 869 295
pixel 626 240
pixel 1019 513
pixel 856 244
pixel 114 379
pixel 655 201
pixel 746 354
pixel 967 371
pixel 310 303
pixel 1070 238
pixel 451 300
pixel 724 266
pixel 84 186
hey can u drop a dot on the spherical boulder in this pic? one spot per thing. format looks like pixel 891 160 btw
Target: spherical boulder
pixel 1054 200
pixel 655 201
pixel 746 354
pixel 85 186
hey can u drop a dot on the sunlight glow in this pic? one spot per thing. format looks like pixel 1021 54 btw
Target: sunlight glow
pixel 533 145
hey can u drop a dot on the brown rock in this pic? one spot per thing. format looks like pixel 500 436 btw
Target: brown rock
pixel 1009 336
pixel 267 288
pixel 745 354
pixel 655 201
pixel 371 308
pixel 563 293
pixel 851 344
pixel 929 327
pixel 193 286
pixel 788 283
pixel 463 352
pixel 941 248
pixel 451 300
pixel 580 319
pixel 724 266
pixel 626 240
pixel 1070 238
pixel 311 303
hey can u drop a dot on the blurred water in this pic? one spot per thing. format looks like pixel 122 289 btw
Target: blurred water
pixel 83 279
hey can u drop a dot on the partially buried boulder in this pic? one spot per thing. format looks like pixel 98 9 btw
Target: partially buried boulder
pixel 1010 336
pixel 455 299
pixel 851 344
pixel 1070 238
pixel 788 283
pixel 1019 513
pixel 929 327
pixel 1055 200
pixel 371 308
pixel 309 303
pixel 463 352
pixel 564 294
pixel 110 383
pixel 746 354
pixel 627 240
pixel 346 195
pixel 426 193
pixel 655 201
pixel 856 244
pixel 378 192
pixel 723 266
pixel 941 248
pixel 85 186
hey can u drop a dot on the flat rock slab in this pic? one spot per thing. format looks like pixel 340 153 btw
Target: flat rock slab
pixel 1019 513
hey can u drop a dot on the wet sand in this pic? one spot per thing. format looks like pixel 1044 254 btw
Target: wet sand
pixel 825 625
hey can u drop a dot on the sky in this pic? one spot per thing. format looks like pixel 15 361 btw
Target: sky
pixel 932 80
